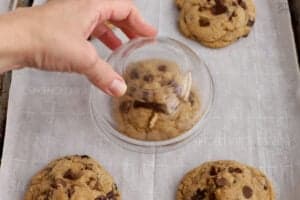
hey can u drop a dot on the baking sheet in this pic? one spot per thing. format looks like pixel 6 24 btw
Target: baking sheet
pixel 255 119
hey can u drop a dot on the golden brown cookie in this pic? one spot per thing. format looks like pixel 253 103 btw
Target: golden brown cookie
pixel 220 180
pixel 216 23
pixel 72 178
pixel 160 102
pixel 179 3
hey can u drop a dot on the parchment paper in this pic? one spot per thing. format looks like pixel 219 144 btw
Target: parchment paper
pixel 255 119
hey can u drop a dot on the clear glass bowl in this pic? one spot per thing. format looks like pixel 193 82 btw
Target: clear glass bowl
pixel 144 49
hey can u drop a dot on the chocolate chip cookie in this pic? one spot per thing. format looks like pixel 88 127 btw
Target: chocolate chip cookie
pixel 228 180
pixel 73 177
pixel 216 23
pixel 160 102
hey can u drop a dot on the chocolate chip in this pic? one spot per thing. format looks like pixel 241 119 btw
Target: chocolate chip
pixel 247 192
pixel 233 14
pixel 176 87
pixel 134 74
pixel 235 170
pixel 234 3
pixel 115 187
pixel 48 194
pixel 57 183
pixel 246 35
pixel 250 22
pixel 221 182
pixel 148 78
pixel 88 166
pixel 162 68
pixel 110 195
pixel 70 192
pixel 149 105
pixel 69 174
pixel 84 156
pixel 199 195
pixel 213 171
pixel 212 196
pixel 200 9
pixel 102 197
pixel 219 8
pixel 204 22
pixel 125 106
pixel 265 187
pixel 191 99
pixel 242 4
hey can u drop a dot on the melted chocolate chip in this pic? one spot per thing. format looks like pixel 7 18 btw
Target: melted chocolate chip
pixel 84 156
pixel 250 22
pixel 213 171
pixel 265 187
pixel 148 78
pixel 125 106
pixel 57 183
pixel 88 166
pixel 235 170
pixel 191 99
pixel 199 195
pixel 48 194
pixel 221 182
pixel 149 105
pixel 101 197
pixel 247 192
pixel 242 4
pixel 70 192
pixel 134 74
pixel 110 195
pixel 69 174
pixel 176 87
pixel 212 196
pixel 232 15
pixel 115 187
pixel 246 35
pixel 219 8
pixel 204 22
pixel 162 68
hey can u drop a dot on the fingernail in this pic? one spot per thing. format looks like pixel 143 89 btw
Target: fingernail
pixel 117 87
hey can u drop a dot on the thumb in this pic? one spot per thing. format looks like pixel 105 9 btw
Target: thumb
pixel 104 77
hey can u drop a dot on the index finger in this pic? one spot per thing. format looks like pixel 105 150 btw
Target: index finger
pixel 123 13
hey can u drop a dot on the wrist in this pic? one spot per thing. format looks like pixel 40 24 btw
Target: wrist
pixel 15 45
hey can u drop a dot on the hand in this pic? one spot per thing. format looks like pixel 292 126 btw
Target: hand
pixel 55 37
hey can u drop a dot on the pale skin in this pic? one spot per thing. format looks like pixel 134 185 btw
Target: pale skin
pixel 55 36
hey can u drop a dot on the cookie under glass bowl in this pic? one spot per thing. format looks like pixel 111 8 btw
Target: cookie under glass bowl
pixel 170 92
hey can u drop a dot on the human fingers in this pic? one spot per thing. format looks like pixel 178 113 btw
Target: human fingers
pixel 107 36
